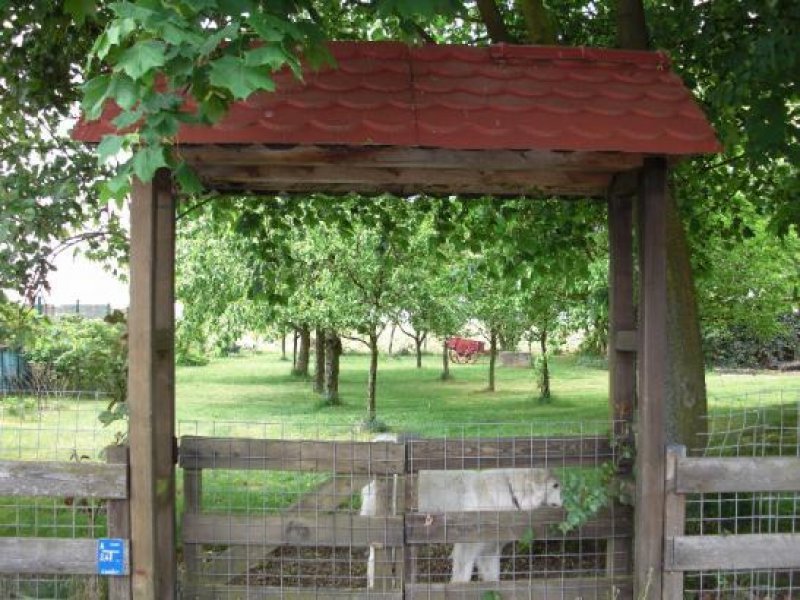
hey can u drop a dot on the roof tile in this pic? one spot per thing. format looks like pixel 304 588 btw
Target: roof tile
pixel 460 97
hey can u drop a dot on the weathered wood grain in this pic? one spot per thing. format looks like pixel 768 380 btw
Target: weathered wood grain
pixel 59 479
pixel 738 474
pixel 119 524
pixel 227 592
pixel 729 552
pixel 51 555
pixel 372 458
pixel 521 452
pixel 293 529
pixel 535 589
pixel 478 526
pixel 674 523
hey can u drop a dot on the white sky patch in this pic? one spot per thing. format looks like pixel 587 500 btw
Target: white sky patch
pixel 79 279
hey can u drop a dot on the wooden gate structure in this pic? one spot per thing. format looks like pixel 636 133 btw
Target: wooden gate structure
pixel 498 120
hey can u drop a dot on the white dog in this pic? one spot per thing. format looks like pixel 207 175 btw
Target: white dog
pixel 467 491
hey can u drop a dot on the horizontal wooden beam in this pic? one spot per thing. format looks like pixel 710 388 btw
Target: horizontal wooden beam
pixel 521 452
pixel 408 158
pixel 215 592
pixel 51 555
pixel 371 458
pixel 739 474
pixel 619 588
pixel 59 479
pixel 480 526
pixel 295 530
pixel 729 552
pixel 626 340
pixel 404 181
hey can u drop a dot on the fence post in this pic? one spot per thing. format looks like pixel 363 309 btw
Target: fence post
pixel 674 523
pixel 192 494
pixel 118 513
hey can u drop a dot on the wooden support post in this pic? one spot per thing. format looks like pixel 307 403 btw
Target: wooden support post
pixel 119 524
pixel 674 523
pixel 650 442
pixel 151 389
pixel 622 316
pixel 192 498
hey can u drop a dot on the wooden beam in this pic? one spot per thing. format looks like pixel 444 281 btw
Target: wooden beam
pixel 51 555
pixel 730 552
pixel 405 158
pixel 59 479
pixel 650 438
pixel 622 314
pixel 674 523
pixel 738 474
pixel 151 388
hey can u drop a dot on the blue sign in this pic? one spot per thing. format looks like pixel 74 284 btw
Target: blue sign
pixel 111 556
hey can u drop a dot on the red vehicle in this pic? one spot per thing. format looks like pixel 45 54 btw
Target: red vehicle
pixel 462 350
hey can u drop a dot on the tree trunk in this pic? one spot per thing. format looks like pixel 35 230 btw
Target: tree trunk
pixel 319 362
pixel 391 338
pixel 303 354
pixel 333 350
pixel 373 376
pixel 294 349
pixel 283 347
pixel 418 341
pixel 492 358
pixel 445 363
pixel 544 383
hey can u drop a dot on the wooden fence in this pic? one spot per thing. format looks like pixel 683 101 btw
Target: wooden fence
pixel 684 553
pixel 74 556
pixel 234 544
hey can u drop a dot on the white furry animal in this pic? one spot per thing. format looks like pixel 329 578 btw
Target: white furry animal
pixel 466 491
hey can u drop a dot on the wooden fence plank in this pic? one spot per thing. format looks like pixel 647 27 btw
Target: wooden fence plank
pixel 373 458
pixel 119 524
pixel 519 452
pixel 742 474
pixel 59 479
pixel 296 530
pixel 478 526
pixel 51 555
pixel 674 523
pixel 226 592
pixel 535 589
pixel 746 551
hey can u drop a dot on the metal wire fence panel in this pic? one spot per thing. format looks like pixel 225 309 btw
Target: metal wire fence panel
pixel 61 433
pixel 760 425
pixel 278 511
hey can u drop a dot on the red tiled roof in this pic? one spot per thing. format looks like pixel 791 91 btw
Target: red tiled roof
pixel 462 97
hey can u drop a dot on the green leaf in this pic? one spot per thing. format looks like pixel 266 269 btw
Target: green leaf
pixel 109 147
pixel 95 92
pixel 127 118
pixel 215 39
pixel 141 58
pixel 271 55
pixel 125 91
pixel 188 181
pixel 232 74
pixel 116 188
pixel 80 9
pixel 147 161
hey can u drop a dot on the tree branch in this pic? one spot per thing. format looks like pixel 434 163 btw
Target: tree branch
pixel 493 19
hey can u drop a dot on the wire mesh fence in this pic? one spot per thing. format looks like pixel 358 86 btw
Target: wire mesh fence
pixel 64 428
pixel 277 510
pixel 760 424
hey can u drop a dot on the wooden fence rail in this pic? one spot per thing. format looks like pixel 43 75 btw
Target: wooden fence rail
pixel 109 482
pixel 729 552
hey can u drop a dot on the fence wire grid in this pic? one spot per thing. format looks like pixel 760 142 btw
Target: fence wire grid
pixel 60 427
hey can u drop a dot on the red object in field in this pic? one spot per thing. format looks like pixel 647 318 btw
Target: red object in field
pixel 462 350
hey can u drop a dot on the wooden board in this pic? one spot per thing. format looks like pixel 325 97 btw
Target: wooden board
pixel 226 592
pixel 520 452
pixel 537 589
pixel 373 458
pixel 747 551
pixel 745 474
pixel 541 523
pixel 674 522
pixel 51 555
pixel 296 530
pixel 62 479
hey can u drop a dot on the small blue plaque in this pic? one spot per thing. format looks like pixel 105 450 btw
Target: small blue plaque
pixel 111 556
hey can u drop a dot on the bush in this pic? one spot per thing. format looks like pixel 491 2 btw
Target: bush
pixel 740 346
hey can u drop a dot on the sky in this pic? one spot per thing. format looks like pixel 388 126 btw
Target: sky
pixel 79 279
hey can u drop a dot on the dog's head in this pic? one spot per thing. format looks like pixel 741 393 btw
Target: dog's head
pixel 552 494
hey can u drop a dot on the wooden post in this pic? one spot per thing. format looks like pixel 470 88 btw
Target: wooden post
pixel 674 523
pixel 650 442
pixel 622 316
pixel 192 498
pixel 151 389
pixel 119 525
